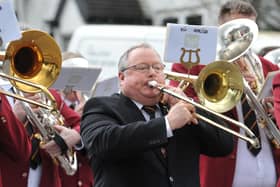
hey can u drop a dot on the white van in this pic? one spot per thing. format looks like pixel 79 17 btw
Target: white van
pixel 266 39
pixel 102 45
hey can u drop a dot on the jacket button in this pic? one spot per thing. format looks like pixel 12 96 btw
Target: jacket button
pixel 80 183
pixel 3 119
pixel 24 174
pixel 232 156
pixel 171 179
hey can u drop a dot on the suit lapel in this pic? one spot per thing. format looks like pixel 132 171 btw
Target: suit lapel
pixel 133 114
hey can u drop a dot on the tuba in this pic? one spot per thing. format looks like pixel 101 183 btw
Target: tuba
pixel 32 64
pixel 235 39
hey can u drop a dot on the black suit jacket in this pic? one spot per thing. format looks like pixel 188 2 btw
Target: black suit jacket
pixel 124 148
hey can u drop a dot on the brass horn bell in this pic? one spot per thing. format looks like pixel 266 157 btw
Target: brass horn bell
pixel 35 57
pixel 235 38
pixel 219 85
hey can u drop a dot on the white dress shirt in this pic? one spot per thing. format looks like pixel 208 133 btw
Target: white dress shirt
pixel 157 114
pixel 254 171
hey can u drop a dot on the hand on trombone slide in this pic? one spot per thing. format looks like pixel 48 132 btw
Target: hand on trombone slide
pixel 181 113
pixel 267 103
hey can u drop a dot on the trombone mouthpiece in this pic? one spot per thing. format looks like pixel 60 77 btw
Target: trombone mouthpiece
pixel 152 84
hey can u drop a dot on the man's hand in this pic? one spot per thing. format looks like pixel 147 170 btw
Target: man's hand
pixel 70 136
pixel 267 103
pixel 19 110
pixel 169 99
pixel 181 114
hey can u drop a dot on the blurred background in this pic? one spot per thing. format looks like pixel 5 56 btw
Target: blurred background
pixel 62 17
pixel 100 30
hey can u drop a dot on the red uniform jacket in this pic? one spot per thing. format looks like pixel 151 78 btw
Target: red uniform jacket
pixel 17 173
pixel 14 142
pixel 276 96
pixel 219 172
pixel 83 177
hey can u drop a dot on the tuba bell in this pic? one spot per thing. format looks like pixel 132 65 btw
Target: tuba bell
pixel 32 64
pixel 235 40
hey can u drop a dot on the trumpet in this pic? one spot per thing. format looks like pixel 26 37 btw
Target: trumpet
pixel 34 59
pixel 251 138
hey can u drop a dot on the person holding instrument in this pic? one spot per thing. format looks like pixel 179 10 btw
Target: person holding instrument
pixel 42 169
pixel 245 166
pixel 133 139
pixel 14 141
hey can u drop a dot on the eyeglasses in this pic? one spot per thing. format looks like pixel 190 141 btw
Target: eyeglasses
pixel 145 68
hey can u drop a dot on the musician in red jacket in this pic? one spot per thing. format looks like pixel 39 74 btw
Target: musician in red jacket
pixel 276 96
pixel 14 142
pixel 241 168
pixel 75 100
pixel 44 170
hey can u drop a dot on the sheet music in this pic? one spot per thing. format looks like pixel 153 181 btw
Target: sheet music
pixel 200 39
pixel 106 87
pixel 266 90
pixel 79 78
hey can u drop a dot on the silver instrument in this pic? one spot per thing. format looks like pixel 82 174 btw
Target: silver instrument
pixel 235 40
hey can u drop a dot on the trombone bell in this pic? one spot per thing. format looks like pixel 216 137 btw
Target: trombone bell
pixel 219 85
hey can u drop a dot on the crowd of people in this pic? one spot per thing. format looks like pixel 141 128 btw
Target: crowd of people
pixel 142 136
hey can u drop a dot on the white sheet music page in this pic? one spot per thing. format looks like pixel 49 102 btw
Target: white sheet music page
pixel 190 43
pixel 78 78
pixel 106 87
pixel 266 89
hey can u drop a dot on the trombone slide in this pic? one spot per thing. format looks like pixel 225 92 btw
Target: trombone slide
pixel 252 139
pixel 272 132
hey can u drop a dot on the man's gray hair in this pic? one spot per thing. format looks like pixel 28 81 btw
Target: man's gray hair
pixel 123 63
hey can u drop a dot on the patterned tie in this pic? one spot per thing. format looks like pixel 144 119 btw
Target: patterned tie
pixel 250 121
pixel 35 158
pixel 151 110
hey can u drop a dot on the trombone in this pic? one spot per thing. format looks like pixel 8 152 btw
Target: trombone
pixel 225 88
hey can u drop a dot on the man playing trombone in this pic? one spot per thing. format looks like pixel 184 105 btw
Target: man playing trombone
pixel 242 168
pixel 134 140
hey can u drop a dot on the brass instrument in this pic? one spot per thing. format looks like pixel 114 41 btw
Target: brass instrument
pixel 235 40
pixel 251 138
pixel 32 64
pixel 218 85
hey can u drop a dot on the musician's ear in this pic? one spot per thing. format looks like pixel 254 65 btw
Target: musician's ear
pixel 121 76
